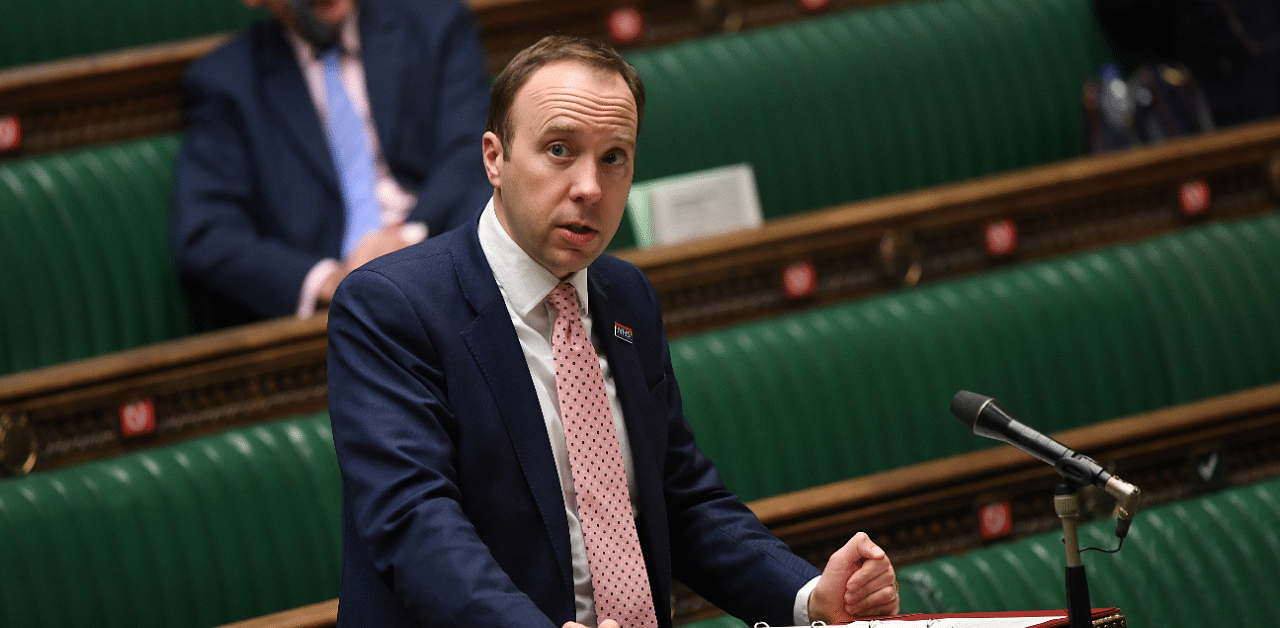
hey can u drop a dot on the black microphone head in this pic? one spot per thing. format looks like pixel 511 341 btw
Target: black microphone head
pixel 966 406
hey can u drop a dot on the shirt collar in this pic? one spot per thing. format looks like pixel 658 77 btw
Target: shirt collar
pixel 523 281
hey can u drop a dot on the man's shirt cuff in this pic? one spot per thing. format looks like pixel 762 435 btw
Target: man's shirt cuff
pixel 801 609
pixel 311 286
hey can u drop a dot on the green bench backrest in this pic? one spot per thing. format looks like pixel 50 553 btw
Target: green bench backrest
pixel 834 393
pixel 84 253
pixel 873 101
pixel 198 534
pixel 246 522
pixel 45 30
pixel 829 110
pixel 1209 561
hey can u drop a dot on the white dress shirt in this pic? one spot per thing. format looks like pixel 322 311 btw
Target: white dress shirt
pixel 525 285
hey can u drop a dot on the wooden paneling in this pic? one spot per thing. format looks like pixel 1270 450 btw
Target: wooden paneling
pixel 110 97
pixel 72 412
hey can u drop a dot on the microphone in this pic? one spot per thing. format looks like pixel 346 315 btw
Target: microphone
pixel 987 418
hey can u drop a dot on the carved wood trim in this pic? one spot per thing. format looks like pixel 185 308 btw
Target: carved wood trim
pixel 93 99
pixel 195 385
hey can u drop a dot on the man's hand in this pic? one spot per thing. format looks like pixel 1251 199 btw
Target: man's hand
pixel 374 244
pixel 388 239
pixel 857 582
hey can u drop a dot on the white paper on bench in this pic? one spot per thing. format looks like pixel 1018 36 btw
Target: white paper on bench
pixel 695 205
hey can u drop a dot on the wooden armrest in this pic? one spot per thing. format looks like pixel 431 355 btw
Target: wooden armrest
pixel 319 615
pixel 195 385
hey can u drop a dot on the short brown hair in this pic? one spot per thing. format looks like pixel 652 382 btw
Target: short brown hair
pixel 550 49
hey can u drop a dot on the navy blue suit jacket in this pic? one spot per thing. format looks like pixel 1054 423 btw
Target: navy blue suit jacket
pixel 257 202
pixel 452 510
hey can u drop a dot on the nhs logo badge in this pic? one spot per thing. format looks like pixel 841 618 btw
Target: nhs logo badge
pixel 623 332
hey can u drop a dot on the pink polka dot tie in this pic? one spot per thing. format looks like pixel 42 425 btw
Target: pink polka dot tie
pixel 619 580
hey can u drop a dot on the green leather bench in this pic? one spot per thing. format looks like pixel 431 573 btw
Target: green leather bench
pixel 244 523
pixel 84 248
pixel 865 103
pixel 202 533
pixel 1209 561
pixel 843 391
pixel 830 110
pixel 45 30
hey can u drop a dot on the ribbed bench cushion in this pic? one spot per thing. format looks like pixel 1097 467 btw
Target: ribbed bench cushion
pixel 85 254
pixel 843 391
pixel 198 534
pixel 44 30
pixel 873 101
pixel 1209 561
pixel 828 110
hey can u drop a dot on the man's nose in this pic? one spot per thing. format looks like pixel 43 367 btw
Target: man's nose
pixel 586 182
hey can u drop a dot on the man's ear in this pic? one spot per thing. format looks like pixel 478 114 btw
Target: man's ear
pixel 492 150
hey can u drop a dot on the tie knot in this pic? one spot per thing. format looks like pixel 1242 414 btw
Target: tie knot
pixel 565 299
pixel 330 56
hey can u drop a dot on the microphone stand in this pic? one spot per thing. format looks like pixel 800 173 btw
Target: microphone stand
pixel 1066 502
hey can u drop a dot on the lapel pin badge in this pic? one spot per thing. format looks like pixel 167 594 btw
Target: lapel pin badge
pixel 623 332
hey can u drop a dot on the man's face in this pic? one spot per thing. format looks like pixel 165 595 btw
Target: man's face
pixel 562 188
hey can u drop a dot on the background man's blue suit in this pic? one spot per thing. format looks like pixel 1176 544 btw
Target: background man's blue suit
pixel 257 200
pixel 452 511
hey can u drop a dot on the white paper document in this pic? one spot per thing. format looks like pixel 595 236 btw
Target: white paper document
pixel 694 205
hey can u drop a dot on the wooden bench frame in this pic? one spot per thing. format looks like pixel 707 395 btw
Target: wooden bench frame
pixel 71 412
pixel 930 509
pixel 886 243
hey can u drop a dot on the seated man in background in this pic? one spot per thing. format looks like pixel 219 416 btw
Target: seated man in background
pixel 1231 47
pixel 507 423
pixel 339 131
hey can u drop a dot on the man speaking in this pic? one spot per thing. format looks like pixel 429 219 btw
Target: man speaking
pixel 507 423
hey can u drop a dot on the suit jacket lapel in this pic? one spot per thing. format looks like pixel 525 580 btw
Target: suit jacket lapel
pixel 289 101
pixel 493 343
pixel 383 47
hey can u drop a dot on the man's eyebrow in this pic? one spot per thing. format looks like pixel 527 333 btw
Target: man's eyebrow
pixel 629 140
pixel 561 127
pixel 567 128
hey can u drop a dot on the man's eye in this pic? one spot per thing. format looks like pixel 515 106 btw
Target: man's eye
pixel 559 150
pixel 615 159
